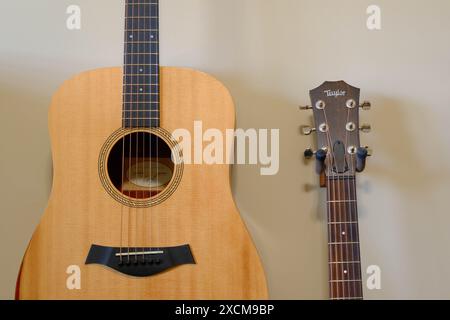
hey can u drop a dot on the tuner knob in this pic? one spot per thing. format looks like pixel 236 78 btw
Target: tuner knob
pixel 309 153
pixel 303 108
pixel 369 151
pixel 366 128
pixel 366 105
pixel 307 130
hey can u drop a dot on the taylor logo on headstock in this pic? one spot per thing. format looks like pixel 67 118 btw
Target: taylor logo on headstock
pixel 335 93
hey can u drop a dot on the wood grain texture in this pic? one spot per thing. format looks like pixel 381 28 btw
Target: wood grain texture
pixel 84 113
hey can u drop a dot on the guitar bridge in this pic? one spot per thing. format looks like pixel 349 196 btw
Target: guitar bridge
pixel 140 262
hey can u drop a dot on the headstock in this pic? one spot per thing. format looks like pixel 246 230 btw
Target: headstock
pixel 336 106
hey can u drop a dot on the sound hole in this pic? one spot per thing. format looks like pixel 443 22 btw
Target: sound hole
pixel 140 165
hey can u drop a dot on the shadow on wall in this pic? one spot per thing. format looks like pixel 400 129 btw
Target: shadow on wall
pixel 401 162
pixel 26 174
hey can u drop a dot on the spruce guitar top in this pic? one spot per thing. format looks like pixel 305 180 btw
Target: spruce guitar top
pixel 127 218
pixel 339 157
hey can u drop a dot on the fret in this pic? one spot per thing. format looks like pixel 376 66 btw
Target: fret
pixel 141 30
pixel 144 114
pixel 140 106
pixel 141 53
pixel 142 17
pixel 140 123
pixel 155 93
pixel 136 100
pixel 141 41
pixel 151 84
pixel 343 222
pixel 343 243
pixel 348 298
pixel 141 118
pixel 341 196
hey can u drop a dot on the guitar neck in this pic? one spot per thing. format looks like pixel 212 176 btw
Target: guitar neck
pixel 345 280
pixel 141 65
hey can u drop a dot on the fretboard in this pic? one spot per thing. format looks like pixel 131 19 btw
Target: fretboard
pixel 344 260
pixel 141 65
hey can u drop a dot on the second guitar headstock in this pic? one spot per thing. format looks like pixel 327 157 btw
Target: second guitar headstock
pixel 336 106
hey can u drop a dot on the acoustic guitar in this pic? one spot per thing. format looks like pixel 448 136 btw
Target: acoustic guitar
pixel 127 217
pixel 339 157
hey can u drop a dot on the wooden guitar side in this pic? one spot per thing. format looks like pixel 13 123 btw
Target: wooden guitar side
pixel 84 113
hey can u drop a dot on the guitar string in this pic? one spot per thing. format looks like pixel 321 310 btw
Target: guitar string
pixel 138 128
pixel 338 236
pixel 329 204
pixel 330 230
pixel 144 176
pixel 358 286
pixel 124 93
pixel 348 239
pixel 338 225
pixel 157 88
pixel 355 240
pixel 330 253
pixel 131 124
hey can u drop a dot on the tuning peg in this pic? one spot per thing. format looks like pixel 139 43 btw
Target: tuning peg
pixel 307 130
pixel 366 128
pixel 369 151
pixel 309 153
pixel 366 105
pixel 303 108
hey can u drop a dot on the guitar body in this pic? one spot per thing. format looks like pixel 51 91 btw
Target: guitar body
pixel 201 212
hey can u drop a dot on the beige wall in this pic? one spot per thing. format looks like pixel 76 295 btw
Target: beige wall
pixel 269 53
